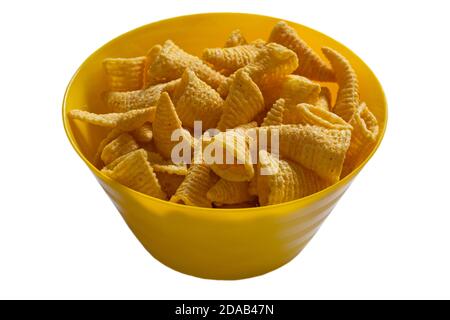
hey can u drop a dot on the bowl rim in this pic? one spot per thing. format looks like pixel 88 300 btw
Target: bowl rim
pixel 201 210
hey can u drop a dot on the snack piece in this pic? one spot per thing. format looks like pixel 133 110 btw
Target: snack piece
pixel 197 101
pixel 304 113
pixel 143 134
pixel 121 145
pixel 232 58
pixel 166 122
pixel 310 64
pixel 177 169
pixel 139 99
pixel 364 136
pixel 194 187
pixel 243 102
pixel 126 121
pixel 324 101
pixel 171 61
pixel 133 170
pixel 169 182
pixel 347 100
pixel 154 157
pixel 125 74
pixel 293 89
pixel 272 63
pixel 230 156
pixel 319 149
pixel 235 39
pixel 228 192
pixel 284 180
pixel 113 134
pixel 275 115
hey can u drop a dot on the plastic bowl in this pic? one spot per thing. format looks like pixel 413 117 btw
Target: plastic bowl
pixel 210 243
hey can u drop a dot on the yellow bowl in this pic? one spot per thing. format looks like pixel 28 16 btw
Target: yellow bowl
pixel 210 243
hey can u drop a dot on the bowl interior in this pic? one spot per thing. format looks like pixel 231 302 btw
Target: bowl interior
pixel 193 33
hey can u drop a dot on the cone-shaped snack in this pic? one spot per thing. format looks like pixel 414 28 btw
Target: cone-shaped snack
pixel 319 149
pixel 310 64
pixel 347 100
pixel 275 115
pixel 235 39
pixel 194 187
pixel 143 134
pixel 171 61
pixel 126 121
pixel 232 58
pixel 364 136
pixel 177 169
pixel 304 113
pixel 243 102
pixel 272 64
pixel 282 180
pixel 169 182
pixel 113 134
pixel 123 144
pixel 324 101
pixel 165 124
pixel 228 155
pixel 133 171
pixel 293 89
pixel 125 74
pixel 138 99
pixel 228 192
pixel 197 101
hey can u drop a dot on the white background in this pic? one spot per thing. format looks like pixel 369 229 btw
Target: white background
pixel 61 237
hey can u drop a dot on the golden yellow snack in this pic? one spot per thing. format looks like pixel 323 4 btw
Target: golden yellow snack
pixel 176 169
pixel 235 39
pixel 154 157
pixel 139 99
pixel 275 115
pixel 197 101
pixel 121 145
pixel 324 101
pixel 232 58
pixel 171 61
pixel 272 64
pixel 293 89
pixel 304 113
pixel 242 104
pixel 286 180
pixel 319 149
pixel 125 74
pixel 169 182
pixel 228 192
pixel 126 121
pixel 143 134
pixel 133 170
pixel 166 122
pixel 364 136
pixel 229 156
pixel 194 187
pixel 311 65
pixel 347 100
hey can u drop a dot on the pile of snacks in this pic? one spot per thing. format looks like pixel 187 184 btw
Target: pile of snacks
pixel 245 90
